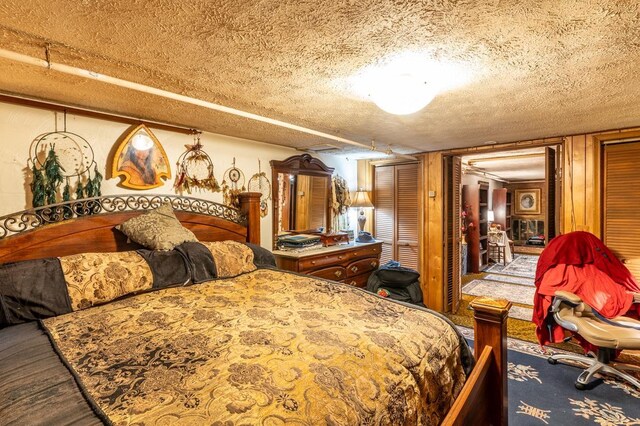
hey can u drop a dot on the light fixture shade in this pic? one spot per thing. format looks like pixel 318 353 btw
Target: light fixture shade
pixel 402 94
pixel 362 200
pixel 490 216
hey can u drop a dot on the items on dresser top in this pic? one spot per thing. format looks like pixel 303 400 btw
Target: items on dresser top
pixel 349 263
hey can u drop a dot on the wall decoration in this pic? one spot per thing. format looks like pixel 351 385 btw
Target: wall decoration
pixel 195 169
pixel 61 157
pixel 232 185
pixel 260 183
pixel 340 202
pixel 141 159
pixel 527 201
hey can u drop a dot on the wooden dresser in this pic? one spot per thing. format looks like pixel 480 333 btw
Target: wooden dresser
pixel 351 264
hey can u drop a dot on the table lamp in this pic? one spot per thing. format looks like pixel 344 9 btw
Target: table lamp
pixel 361 201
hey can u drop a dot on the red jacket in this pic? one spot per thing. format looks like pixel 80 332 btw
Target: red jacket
pixel 580 263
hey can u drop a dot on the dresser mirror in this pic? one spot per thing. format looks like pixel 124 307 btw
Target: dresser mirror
pixel 301 195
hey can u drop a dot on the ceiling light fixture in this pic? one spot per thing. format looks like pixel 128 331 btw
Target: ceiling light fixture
pixel 406 82
pixel 403 94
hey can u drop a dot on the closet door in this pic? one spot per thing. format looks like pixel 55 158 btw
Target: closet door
pixel 621 193
pixel 384 212
pixel 407 215
pixel 452 198
pixel 397 213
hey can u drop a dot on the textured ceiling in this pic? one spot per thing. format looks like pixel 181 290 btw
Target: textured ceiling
pixel 538 68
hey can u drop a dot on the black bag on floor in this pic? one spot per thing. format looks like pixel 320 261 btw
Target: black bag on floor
pixel 397 283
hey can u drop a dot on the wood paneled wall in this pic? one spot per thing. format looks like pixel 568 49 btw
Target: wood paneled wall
pixel 581 197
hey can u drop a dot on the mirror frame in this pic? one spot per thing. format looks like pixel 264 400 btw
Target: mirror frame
pixel 303 164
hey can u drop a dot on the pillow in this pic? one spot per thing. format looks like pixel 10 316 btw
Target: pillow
pixel 31 290
pixel 158 229
pixel 95 278
pixel 231 258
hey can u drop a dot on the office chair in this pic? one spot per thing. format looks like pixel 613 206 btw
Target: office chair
pixel 609 335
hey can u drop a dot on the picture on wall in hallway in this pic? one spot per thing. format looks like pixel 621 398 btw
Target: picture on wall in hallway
pixel 528 201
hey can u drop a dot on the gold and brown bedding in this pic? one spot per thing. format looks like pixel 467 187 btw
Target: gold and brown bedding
pixel 266 347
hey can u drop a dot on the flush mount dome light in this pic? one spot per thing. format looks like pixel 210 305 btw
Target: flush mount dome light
pixel 402 94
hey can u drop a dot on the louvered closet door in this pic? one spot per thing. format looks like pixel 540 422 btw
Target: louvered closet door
pixel 384 200
pixel 621 199
pixel 407 216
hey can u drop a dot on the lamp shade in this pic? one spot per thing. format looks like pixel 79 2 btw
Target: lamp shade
pixel 362 200
pixel 490 216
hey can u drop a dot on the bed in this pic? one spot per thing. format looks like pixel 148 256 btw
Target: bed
pixel 250 345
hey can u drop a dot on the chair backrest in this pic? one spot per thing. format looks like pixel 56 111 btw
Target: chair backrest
pixel 494 237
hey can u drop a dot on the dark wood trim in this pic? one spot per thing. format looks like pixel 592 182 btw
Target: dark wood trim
pixel 101 115
pixel 484 397
pixel 250 206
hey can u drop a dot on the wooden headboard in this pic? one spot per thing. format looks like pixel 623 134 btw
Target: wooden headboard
pixel 89 225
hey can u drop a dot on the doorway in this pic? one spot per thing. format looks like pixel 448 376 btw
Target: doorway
pixel 505 207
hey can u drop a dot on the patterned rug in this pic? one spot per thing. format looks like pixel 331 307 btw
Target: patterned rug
pixel 544 394
pixel 510 279
pixel 516 293
pixel 523 265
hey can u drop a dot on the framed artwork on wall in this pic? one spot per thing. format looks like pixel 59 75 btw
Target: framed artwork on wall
pixel 141 160
pixel 527 201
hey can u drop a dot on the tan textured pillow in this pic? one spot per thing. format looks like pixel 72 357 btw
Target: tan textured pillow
pixel 231 258
pixel 158 229
pixel 95 278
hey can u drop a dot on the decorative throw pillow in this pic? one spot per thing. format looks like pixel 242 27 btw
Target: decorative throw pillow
pixel 158 229
pixel 231 258
pixel 95 278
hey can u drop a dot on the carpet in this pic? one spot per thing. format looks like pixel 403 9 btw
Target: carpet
pixel 544 394
pixel 510 279
pixel 522 294
pixel 523 265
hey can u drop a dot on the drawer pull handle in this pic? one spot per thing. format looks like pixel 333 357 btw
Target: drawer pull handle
pixel 340 257
pixel 352 283
pixel 313 262
pixel 338 273
pixel 374 264
pixel 354 269
pixel 355 253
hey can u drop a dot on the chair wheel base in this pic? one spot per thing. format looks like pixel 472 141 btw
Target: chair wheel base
pixel 580 386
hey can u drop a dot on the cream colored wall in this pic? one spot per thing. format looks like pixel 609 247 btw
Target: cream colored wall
pixel 19 125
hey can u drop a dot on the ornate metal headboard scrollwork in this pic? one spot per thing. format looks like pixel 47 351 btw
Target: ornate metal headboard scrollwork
pixel 88 225
pixel 27 220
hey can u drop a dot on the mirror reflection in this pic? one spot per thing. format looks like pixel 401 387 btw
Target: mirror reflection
pixel 303 202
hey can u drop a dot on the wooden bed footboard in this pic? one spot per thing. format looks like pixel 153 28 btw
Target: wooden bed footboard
pixel 483 399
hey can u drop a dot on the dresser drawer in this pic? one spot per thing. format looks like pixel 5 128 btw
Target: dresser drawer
pixel 335 273
pixel 362 266
pixel 358 280
pixel 319 261
pixel 368 251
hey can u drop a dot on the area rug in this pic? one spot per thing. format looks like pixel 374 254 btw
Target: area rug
pixel 510 279
pixel 523 265
pixel 522 294
pixel 544 394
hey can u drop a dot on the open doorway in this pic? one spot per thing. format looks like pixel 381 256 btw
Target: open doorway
pixel 507 207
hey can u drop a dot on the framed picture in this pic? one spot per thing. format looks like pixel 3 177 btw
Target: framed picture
pixel 141 160
pixel 527 201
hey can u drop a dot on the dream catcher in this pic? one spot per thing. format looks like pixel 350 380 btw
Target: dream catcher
pixel 232 185
pixel 195 169
pixel 62 157
pixel 260 183
pixel 341 202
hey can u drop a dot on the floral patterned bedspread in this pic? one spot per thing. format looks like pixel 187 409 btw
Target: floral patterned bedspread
pixel 266 347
